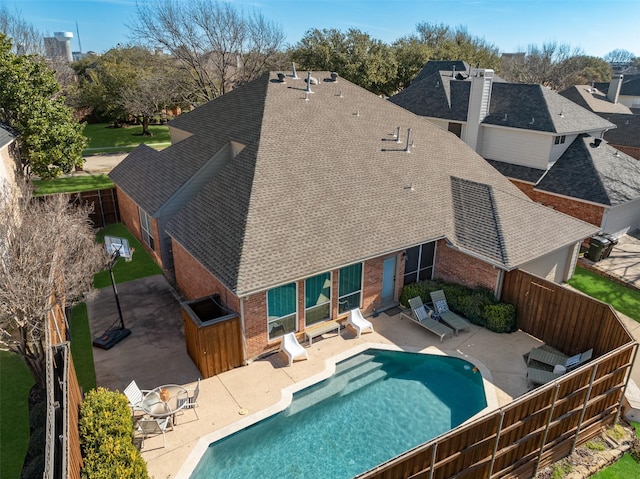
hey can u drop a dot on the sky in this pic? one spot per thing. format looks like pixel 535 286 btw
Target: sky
pixel 595 26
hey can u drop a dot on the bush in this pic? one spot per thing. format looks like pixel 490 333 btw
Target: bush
pixel 106 437
pixel 501 318
pixel 478 305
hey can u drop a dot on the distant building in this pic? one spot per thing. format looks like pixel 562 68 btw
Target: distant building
pixel 58 47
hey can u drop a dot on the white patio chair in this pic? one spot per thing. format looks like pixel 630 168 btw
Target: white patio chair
pixel 292 348
pixel 152 427
pixel 357 322
pixel 134 395
pixel 191 401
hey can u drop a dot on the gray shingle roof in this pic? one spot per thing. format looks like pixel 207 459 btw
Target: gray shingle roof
pixel 440 94
pixel 598 175
pixel 627 132
pixel 6 135
pixel 517 172
pixel 321 184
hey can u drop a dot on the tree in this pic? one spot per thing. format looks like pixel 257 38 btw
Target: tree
pixel 48 256
pixel 131 81
pixel 354 55
pixel 50 140
pixel 25 37
pixel 411 55
pixel 621 57
pixel 555 65
pixel 218 45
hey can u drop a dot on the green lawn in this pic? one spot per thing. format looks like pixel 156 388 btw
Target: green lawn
pixel 625 468
pixel 72 184
pixel 103 138
pixel 81 347
pixel 623 299
pixel 15 384
pixel 141 265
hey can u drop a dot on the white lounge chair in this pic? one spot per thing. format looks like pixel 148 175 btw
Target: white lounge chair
pixel 421 317
pixel 357 322
pixel 292 348
pixel 452 320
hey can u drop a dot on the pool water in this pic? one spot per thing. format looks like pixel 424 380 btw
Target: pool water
pixel 376 406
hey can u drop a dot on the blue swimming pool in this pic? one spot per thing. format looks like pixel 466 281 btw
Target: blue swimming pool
pixel 376 406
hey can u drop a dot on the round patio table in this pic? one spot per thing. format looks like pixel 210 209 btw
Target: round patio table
pixel 165 401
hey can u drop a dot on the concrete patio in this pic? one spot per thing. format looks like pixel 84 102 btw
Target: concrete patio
pixel 155 354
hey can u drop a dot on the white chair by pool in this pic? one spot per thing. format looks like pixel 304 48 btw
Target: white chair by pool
pixel 292 348
pixel 357 322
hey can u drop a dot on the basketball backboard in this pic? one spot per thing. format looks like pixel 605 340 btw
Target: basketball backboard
pixel 118 245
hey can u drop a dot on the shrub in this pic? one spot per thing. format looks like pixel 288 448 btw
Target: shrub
pixel 411 291
pixel 106 437
pixel 500 318
pixel 473 306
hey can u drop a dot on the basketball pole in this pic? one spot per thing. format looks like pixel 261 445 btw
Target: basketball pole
pixel 116 255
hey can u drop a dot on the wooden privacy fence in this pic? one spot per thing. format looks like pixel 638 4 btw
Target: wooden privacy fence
pixel 547 423
pixel 214 345
pixel 105 205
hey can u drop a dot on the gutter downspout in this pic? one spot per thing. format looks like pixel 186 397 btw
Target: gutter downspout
pixel 244 336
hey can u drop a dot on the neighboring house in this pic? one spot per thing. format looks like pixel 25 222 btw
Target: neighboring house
pixel 627 89
pixel 604 100
pixel 549 146
pixel 296 202
pixel 9 158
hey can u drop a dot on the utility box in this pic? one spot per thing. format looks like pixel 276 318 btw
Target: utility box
pixel 597 246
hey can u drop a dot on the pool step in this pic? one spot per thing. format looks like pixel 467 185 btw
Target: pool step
pixel 370 376
pixel 346 372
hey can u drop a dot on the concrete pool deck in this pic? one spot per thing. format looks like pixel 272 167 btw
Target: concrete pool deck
pixel 244 395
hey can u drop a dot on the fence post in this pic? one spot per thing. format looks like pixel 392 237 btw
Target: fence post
pixel 626 384
pixel 495 446
pixel 433 460
pixel 584 408
pixel 546 428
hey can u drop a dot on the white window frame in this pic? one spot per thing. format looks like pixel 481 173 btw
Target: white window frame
pixel 271 322
pixel 359 291
pixel 316 306
pixel 559 140
pixel 145 228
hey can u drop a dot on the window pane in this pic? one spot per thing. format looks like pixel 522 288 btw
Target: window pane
pixel 425 274
pixel 317 314
pixel 411 260
pixel 410 278
pixel 349 302
pixel 350 279
pixel 426 258
pixel 317 290
pixel 281 301
pixel 282 326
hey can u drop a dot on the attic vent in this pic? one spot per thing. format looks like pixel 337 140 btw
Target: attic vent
pixel 293 71
pixel 281 77
pixel 334 76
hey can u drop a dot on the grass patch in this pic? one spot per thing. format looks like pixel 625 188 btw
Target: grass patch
pixel 72 184
pixel 623 299
pixel 103 138
pixel 81 347
pixel 624 468
pixel 636 426
pixel 141 266
pixel 15 384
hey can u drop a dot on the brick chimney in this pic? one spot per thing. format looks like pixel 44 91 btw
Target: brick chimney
pixel 614 88
pixel 479 99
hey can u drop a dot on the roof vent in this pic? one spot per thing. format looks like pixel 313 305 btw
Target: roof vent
pixel 293 71
pixel 398 135
pixel 281 78
pixel 562 113
pixel 533 120
pixel 406 148
pixel 596 142
pixel 309 81
pixel 504 118
pixel 617 153
pixel 334 76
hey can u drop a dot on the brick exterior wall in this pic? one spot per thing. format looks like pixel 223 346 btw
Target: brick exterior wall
pixel 131 219
pixel 583 211
pixel 456 267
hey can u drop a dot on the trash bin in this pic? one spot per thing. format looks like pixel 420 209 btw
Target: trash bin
pixel 612 242
pixel 597 245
